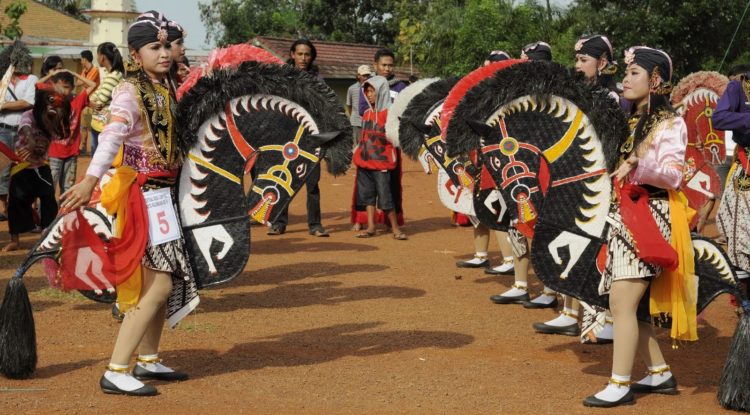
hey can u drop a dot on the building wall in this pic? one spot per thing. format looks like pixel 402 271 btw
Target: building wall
pixel 111 28
pixel 42 21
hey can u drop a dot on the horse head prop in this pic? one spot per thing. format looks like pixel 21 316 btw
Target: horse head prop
pixel 270 122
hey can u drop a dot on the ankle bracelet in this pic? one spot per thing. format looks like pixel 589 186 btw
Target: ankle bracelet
pixel 520 287
pixel 118 369
pixel 619 383
pixel 659 371
pixel 148 360
pixel 569 314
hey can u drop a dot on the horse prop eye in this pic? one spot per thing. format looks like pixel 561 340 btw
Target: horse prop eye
pixel 496 163
pixel 300 170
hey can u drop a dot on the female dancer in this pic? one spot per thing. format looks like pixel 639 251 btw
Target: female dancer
pixel 595 60
pixel 651 164
pixel 142 125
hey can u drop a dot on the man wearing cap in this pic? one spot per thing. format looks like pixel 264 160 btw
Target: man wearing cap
pixel 352 101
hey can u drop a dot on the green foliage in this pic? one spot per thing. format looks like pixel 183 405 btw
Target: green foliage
pixel 14 11
pixel 452 37
pixel 361 21
pixel 71 7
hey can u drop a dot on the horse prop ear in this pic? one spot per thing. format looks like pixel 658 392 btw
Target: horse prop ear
pixel 480 128
pixel 319 140
pixel 421 128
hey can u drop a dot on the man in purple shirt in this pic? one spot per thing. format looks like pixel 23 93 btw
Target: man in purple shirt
pixel 733 111
pixel 384 64
pixel 733 218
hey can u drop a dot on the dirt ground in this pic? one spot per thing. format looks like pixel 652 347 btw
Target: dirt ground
pixel 342 325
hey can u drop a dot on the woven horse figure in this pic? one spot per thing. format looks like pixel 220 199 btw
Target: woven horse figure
pixel 419 133
pixel 274 119
pixel 549 142
pixel 695 98
pixel 274 123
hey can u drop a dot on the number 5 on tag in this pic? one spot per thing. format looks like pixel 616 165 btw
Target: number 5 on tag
pixel 162 220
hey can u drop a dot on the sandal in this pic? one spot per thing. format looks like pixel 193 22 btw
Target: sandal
pixel 400 236
pixel 366 234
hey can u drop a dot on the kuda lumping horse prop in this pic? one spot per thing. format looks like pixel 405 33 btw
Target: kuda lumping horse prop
pixel 270 121
pixel 549 141
pixel 695 98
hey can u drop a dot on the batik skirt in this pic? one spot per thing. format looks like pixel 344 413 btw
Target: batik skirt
pixel 172 258
pixel 622 258
pixel 733 219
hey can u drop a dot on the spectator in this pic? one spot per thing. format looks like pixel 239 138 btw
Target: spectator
pixel 352 101
pixel 31 177
pixel 64 150
pixel 50 63
pixel 19 98
pixel 385 66
pixel 90 72
pixel 110 59
pixel 376 159
pixel 302 55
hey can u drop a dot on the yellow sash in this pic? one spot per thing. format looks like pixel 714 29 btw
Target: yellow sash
pixel 676 292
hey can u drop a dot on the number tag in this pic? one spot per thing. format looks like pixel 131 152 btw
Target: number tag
pixel 162 220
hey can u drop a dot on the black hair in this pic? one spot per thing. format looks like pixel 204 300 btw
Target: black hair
pixel 66 77
pixel 313 67
pixel 658 104
pixel 49 63
pixel 110 51
pixel 86 54
pixel 383 52
pixel 740 69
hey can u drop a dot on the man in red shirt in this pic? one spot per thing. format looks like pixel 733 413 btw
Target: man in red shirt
pixel 63 151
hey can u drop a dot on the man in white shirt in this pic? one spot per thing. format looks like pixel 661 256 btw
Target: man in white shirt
pixel 352 101
pixel 19 97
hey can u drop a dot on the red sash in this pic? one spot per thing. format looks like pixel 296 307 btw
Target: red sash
pixel 636 215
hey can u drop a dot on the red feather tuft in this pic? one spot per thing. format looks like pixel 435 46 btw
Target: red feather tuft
pixel 229 57
pixel 464 85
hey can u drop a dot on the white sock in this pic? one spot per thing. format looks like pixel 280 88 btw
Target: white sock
pixel 515 292
pixel 506 266
pixel 656 379
pixel 544 298
pixel 123 381
pixel 614 392
pixel 479 257
pixel 155 367
pixel 607 332
pixel 562 320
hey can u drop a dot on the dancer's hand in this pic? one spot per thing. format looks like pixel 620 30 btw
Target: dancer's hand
pixel 78 195
pixel 625 168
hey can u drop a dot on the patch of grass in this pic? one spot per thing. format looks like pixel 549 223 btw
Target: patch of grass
pixel 191 325
pixel 55 294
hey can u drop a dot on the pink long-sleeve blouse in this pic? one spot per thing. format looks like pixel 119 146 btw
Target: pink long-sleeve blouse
pixel 139 150
pixel 661 156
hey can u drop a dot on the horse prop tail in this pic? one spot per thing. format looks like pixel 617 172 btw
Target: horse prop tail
pixel 17 331
pixel 734 386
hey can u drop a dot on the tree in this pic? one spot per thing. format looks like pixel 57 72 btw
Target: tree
pixel 14 11
pixel 695 33
pixel 362 21
pixel 72 7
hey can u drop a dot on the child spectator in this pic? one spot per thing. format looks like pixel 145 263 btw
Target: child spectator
pixel 31 177
pixel 376 158
pixel 64 150
pixel 90 72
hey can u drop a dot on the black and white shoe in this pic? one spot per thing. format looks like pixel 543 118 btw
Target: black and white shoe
pixel 507 299
pixel 570 330
pixel 668 387
pixel 110 387
pixel 594 402
pixel 474 263
pixel 141 373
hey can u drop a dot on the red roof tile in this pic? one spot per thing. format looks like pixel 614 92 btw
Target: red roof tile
pixel 336 60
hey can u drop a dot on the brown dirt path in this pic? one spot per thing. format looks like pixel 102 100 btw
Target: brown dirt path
pixel 351 326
